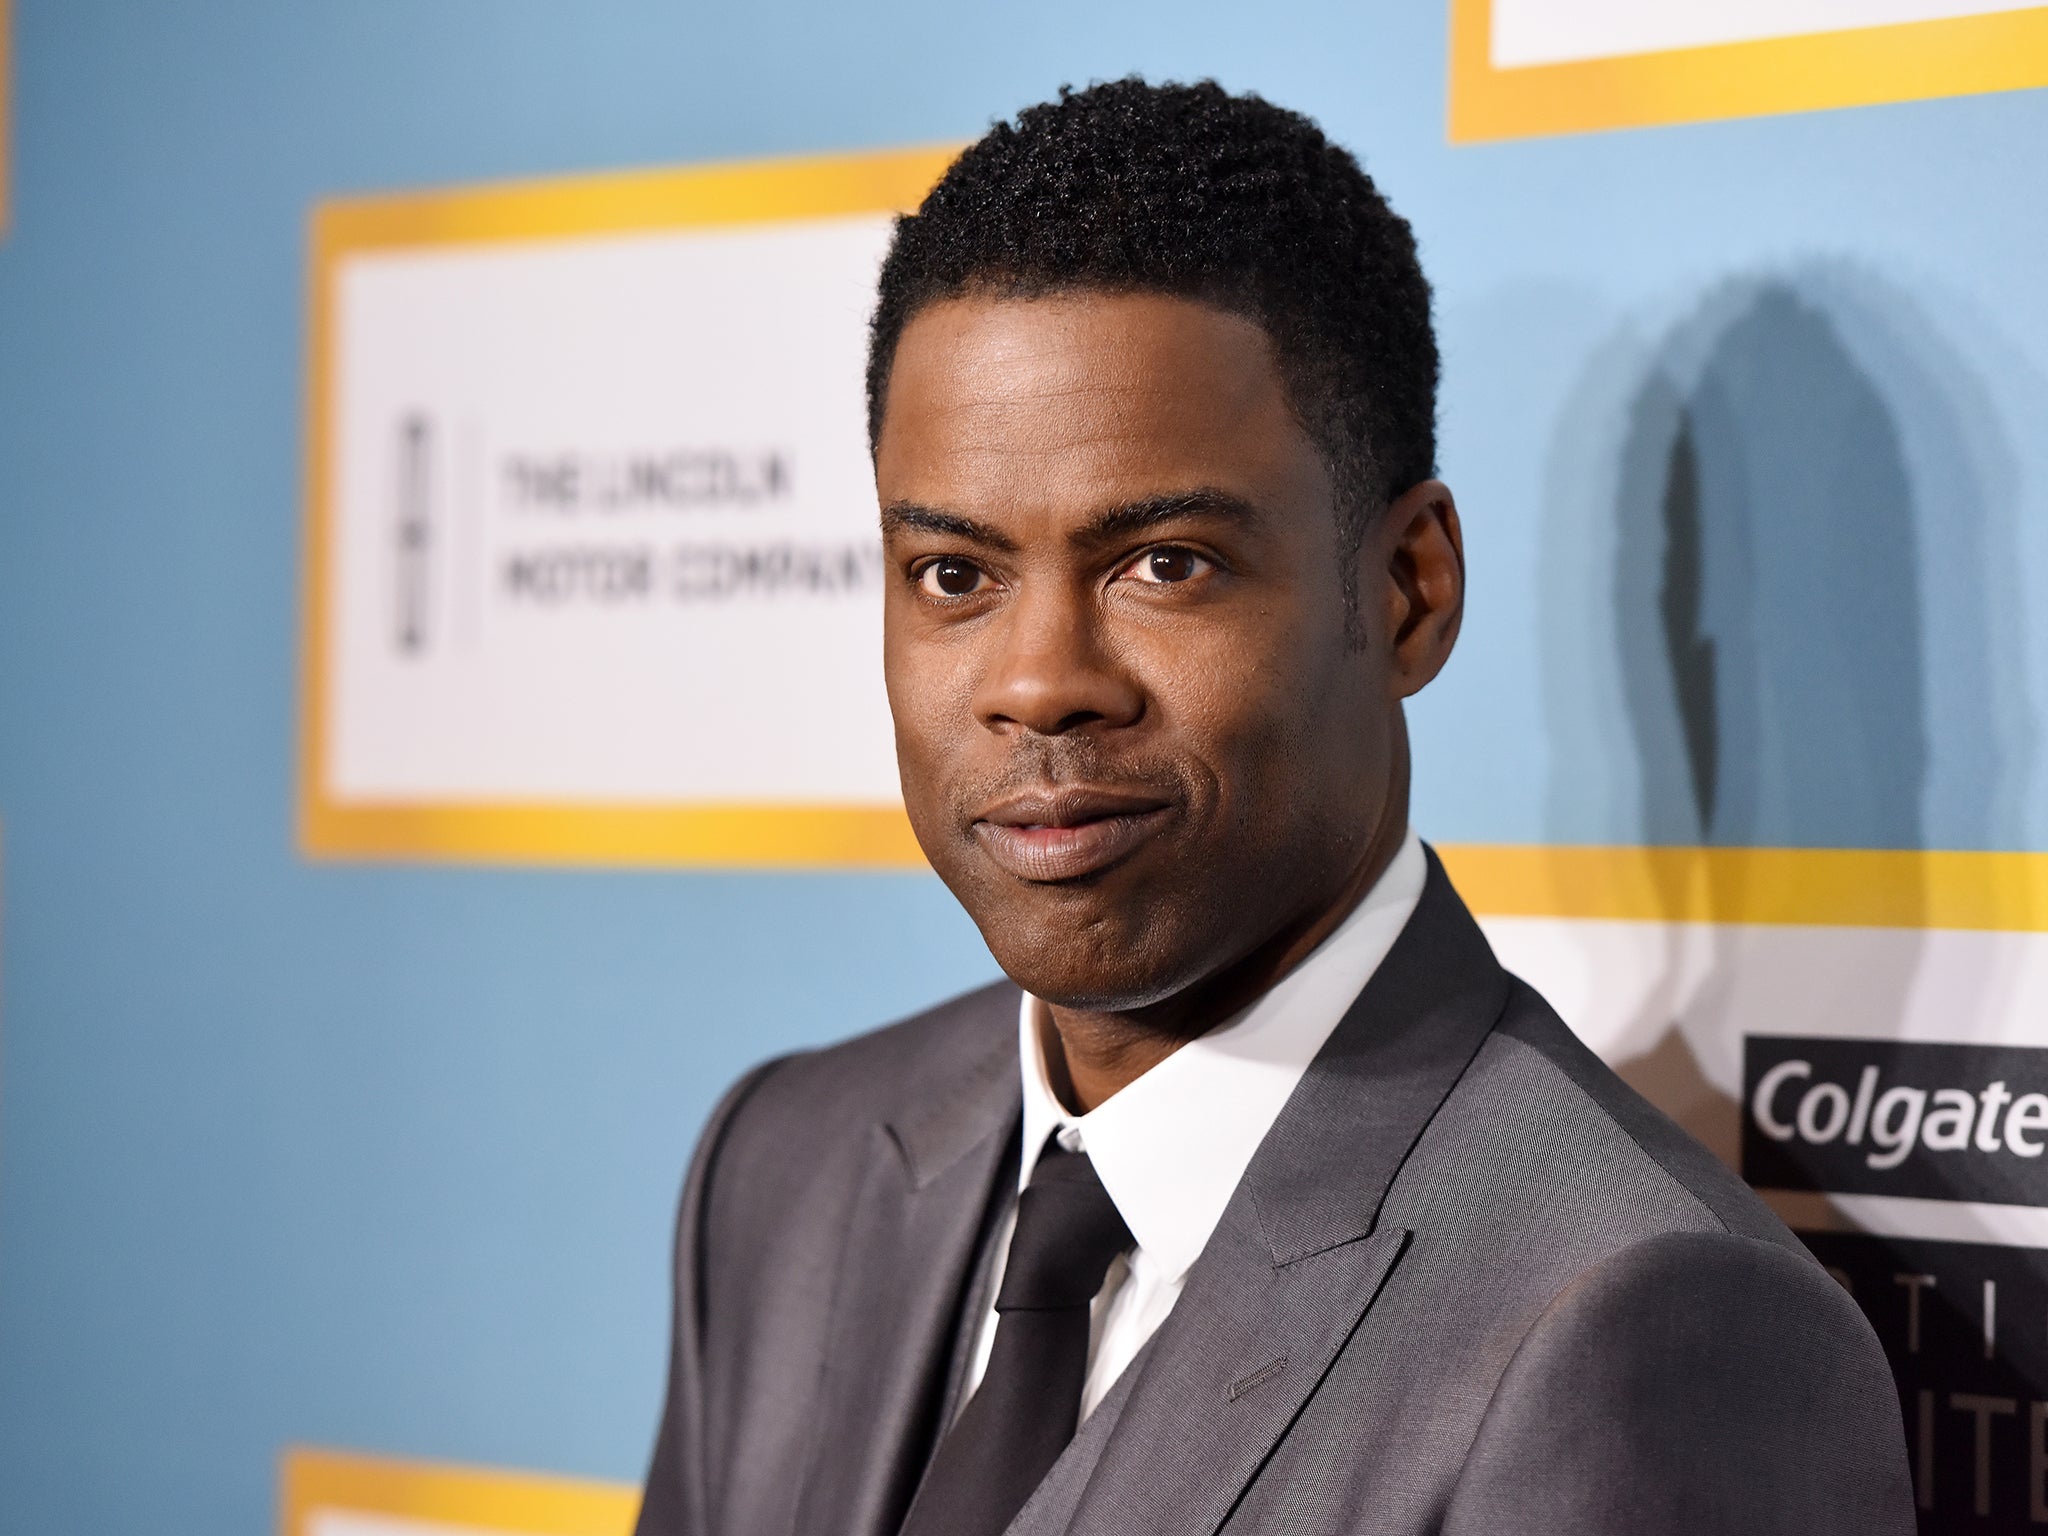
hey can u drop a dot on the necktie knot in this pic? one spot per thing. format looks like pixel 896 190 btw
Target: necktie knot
pixel 1068 1232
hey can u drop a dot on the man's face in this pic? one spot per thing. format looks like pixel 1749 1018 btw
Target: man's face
pixel 1138 739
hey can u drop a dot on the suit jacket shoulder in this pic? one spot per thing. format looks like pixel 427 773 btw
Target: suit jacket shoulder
pixel 1594 1326
pixel 1691 1382
pixel 1537 1109
pixel 1532 1024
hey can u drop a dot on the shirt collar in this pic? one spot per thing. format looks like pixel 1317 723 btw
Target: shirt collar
pixel 1172 1146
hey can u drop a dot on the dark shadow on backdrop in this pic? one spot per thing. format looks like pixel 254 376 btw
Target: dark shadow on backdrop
pixel 1768 537
pixel 1767 605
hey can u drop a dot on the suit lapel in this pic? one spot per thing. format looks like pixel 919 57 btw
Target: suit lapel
pixel 1298 1256
pixel 1190 1421
pixel 910 1246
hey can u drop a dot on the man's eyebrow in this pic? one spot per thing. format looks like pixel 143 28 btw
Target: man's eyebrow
pixel 1137 516
pixel 909 515
pixel 1112 523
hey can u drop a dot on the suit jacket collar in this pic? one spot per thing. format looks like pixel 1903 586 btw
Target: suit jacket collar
pixel 1172 1147
pixel 1381 1074
pixel 961 1114
pixel 1323 1171
pixel 1298 1256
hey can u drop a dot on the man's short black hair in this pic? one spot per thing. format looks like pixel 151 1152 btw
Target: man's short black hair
pixel 1189 190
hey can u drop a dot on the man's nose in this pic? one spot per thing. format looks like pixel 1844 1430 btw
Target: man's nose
pixel 1052 670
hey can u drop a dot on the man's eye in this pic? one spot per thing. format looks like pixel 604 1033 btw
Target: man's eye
pixel 951 577
pixel 1161 567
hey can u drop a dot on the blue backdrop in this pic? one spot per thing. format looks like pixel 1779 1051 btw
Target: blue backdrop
pixel 385 1157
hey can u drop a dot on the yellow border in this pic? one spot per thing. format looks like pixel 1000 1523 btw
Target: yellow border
pixel 525 1502
pixel 1825 887
pixel 724 836
pixel 701 836
pixel 2002 51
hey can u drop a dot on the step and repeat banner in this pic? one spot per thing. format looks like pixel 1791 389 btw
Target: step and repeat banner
pixel 592 578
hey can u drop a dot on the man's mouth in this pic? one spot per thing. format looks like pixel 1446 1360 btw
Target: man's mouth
pixel 1048 835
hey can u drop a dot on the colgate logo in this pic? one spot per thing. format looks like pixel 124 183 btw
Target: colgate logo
pixel 1898 1119
pixel 1946 1122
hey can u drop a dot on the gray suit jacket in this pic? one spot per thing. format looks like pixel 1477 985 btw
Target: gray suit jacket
pixel 1469 1283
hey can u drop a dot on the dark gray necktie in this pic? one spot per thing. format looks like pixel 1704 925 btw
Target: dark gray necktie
pixel 1029 1401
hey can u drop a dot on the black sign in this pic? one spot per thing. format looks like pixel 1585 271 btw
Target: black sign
pixel 1965 1326
pixel 1892 1117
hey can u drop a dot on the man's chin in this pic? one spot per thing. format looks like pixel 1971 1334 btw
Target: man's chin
pixel 1076 969
pixel 1101 994
pixel 1117 940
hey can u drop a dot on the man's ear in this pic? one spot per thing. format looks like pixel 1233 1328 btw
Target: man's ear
pixel 1421 552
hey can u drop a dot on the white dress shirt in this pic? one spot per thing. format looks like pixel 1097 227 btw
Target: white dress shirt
pixel 1171 1147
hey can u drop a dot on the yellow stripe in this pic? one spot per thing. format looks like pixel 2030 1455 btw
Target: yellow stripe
pixel 630 202
pixel 2002 51
pixel 1829 887
pixel 523 1502
pixel 697 836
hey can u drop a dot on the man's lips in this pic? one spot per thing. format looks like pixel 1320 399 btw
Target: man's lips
pixel 1062 834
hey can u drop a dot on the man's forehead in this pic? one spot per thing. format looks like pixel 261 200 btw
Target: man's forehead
pixel 1087 399
pixel 1080 349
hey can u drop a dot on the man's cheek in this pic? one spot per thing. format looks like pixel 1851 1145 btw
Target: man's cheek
pixel 1222 676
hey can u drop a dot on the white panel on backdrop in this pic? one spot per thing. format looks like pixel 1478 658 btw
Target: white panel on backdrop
pixel 604 521
pixel 1529 32
pixel 1677 1007
pixel 594 568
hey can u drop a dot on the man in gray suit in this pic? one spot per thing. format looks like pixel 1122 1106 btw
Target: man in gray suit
pixel 1264 1200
